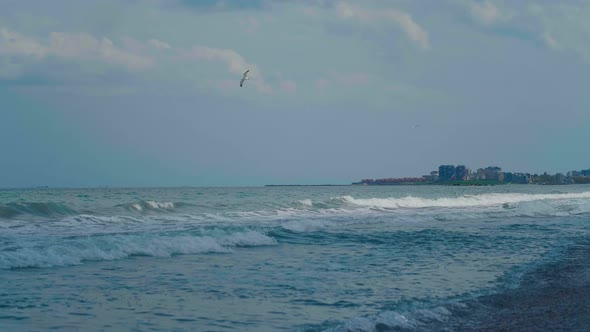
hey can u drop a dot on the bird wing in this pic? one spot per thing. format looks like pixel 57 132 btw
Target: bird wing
pixel 245 77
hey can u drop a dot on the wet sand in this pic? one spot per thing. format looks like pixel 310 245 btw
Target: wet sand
pixel 555 297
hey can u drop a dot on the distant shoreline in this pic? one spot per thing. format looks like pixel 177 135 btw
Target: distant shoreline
pixel 308 185
pixel 478 183
pixel 445 184
pixel 451 183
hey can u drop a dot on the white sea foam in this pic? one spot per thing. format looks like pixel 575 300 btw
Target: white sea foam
pixel 394 321
pixel 151 205
pixel 73 251
pixel 483 200
pixel 304 202
pixel 304 214
pixel 160 205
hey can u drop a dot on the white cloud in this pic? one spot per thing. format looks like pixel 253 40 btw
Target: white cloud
pixel 564 27
pixel 404 20
pixel 85 47
pixel 14 43
pixel 78 46
pixel 236 64
pixel 485 12
pixel 550 41
pixel 158 44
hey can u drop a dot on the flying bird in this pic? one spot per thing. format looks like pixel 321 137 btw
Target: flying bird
pixel 245 77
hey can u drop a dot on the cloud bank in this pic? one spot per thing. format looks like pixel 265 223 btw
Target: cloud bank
pixel 73 46
pixel 402 19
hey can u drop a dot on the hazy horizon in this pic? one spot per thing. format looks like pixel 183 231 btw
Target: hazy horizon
pixel 41 186
pixel 146 93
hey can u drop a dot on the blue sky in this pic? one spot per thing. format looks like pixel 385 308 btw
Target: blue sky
pixel 146 92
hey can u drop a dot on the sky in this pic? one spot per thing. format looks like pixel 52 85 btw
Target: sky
pixel 146 92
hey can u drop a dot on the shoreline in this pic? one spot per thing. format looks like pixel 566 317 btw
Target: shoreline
pixel 553 297
pixel 308 185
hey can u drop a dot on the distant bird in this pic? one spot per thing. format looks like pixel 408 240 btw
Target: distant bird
pixel 415 126
pixel 245 77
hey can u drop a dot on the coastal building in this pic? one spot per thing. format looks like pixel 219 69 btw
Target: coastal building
pixel 433 176
pixel 446 172
pixel 481 174
pixel 461 173
pixel 493 173
pixel 520 178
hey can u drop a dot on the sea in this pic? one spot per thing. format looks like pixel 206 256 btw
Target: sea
pixel 331 258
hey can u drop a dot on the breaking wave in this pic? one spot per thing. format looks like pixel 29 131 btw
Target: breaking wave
pixel 512 204
pixel 395 321
pixel 149 206
pixel 14 210
pixel 38 209
pixel 311 215
pixel 483 200
pixel 76 250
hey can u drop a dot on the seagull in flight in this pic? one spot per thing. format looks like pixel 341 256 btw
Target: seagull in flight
pixel 245 77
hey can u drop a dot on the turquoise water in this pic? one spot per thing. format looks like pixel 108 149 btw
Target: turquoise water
pixel 272 258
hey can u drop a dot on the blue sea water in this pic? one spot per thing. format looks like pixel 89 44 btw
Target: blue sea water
pixel 351 258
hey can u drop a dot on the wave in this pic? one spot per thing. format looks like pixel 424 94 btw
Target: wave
pixel 394 321
pixel 302 203
pixel 76 250
pixel 522 287
pixel 149 206
pixel 515 204
pixel 14 210
pixel 405 208
pixel 311 215
pixel 483 200
pixel 306 225
pixel 38 209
